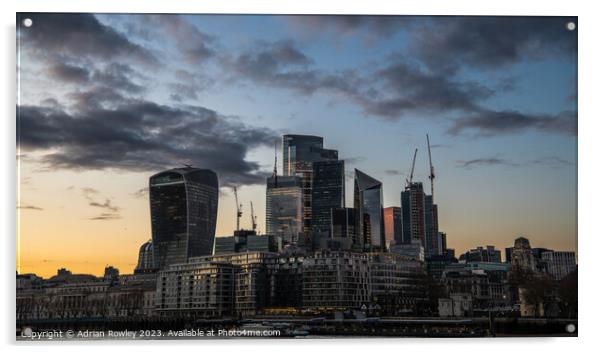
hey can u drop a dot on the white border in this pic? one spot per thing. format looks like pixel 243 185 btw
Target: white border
pixel 589 163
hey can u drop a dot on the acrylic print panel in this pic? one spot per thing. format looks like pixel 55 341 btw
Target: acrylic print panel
pixel 235 176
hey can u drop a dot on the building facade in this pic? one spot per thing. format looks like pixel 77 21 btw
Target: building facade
pixel 284 208
pixel 392 224
pixel 413 213
pixel 183 205
pixel 368 203
pixel 559 264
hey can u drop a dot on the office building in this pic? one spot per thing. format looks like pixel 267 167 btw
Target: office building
pixel 368 202
pixel 183 205
pixel 413 213
pixel 559 263
pixel 336 280
pixel 431 227
pixel 344 229
pixel 480 254
pixel 442 242
pixel 392 224
pixel 413 250
pixel 284 208
pixel 322 179
pixel 328 192
pixel 245 241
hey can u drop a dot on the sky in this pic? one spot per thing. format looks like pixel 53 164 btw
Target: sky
pixel 107 100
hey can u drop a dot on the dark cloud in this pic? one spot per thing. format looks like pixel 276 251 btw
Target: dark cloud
pixel 551 161
pixel 194 45
pixel 368 27
pixel 113 77
pixel 354 160
pixel 141 193
pixel 189 85
pixel 118 76
pixel 138 135
pixel 489 161
pixel 90 193
pixel 69 73
pixel 393 172
pixel 486 122
pixel 106 217
pixel 408 88
pixel 395 90
pixel 547 161
pixel 106 205
pixel 447 43
pixel 78 35
pixel 30 207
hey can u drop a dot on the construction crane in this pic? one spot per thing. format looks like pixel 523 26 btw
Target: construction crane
pixel 253 218
pixel 432 169
pixel 275 175
pixel 238 209
pixel 409 181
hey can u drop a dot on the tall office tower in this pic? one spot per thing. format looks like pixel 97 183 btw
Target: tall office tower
pixel 183 205
pixel 328 192
pixel 368 202
pixel 560 264
pixel 284 208
pixel 431 223
pixel 413 213
pixel 393 233
pixel 442 242
pixel 344 232
pixel 301 154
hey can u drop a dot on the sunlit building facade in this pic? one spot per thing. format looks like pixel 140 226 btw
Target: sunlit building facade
pixel 392 224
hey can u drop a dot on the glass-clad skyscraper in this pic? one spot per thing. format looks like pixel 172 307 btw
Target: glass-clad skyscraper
pixel 392 217
pixel 183 206
pixel 431 223
pixel 413 213
pixel 284 208
pixel 328 192
pixel 368 202
pixel 322 180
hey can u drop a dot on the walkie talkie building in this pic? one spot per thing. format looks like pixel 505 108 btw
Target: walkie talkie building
pixel 183 205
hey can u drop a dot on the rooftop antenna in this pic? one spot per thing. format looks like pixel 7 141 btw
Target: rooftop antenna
pixel 238 209
pixel 409 181
pixel 253 218
pixel 432 169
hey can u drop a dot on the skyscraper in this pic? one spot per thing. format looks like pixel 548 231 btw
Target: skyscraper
pixel 344 223
pixel 431 229
pixel 183 205
pixel 322 179
pixel 413 213
pixel 284 208
pixel 393 233
pixel 368 202
pixel 328 192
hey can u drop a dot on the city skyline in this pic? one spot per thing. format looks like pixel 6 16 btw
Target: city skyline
pixel 506 163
